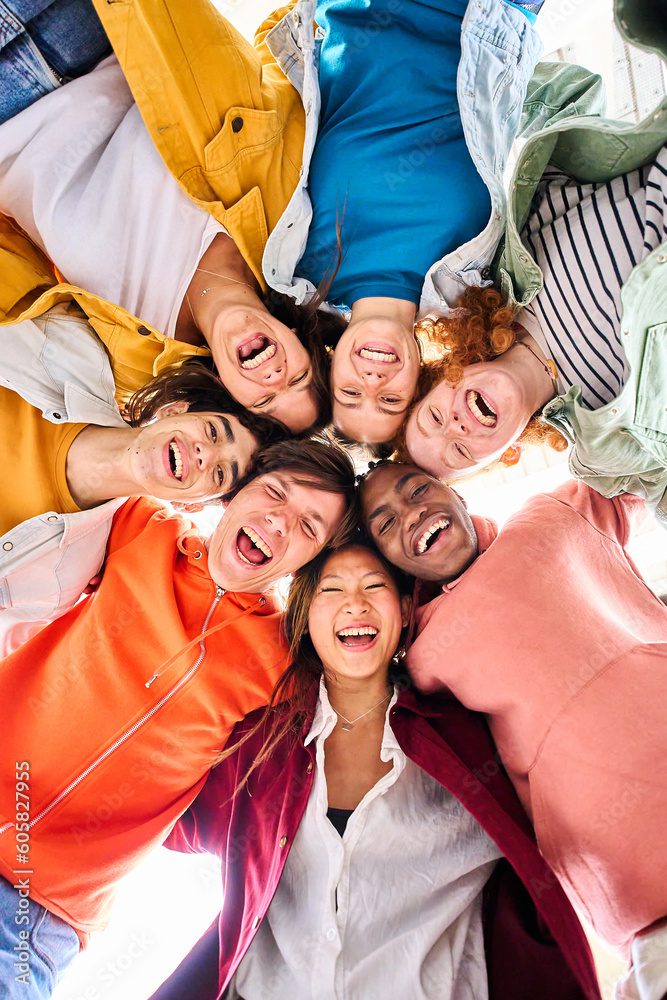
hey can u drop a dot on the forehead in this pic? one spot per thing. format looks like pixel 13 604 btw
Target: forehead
pixel 353 561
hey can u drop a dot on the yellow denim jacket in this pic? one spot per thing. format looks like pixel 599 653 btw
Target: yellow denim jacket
pixel 230 127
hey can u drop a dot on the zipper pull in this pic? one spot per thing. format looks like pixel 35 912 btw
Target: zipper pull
pixel 150 681
pixel 219 591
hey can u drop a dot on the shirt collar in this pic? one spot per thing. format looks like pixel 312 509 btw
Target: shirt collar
pixel 487 532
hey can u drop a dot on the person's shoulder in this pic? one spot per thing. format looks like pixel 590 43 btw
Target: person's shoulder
pixel 576 505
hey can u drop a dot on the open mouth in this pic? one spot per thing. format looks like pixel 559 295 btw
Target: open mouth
pixel 176 461
pixel 481 408
pixel 251 548
pixel 357 636
pixel 256 351
pixel 381 353
pixel 431 535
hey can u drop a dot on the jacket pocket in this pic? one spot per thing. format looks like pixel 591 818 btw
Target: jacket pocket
pixel 244 131
pixel 651 405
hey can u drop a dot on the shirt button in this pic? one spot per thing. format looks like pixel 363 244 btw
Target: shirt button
pixel 331 934
pixel 8 546
pixel 144 331
pixel 662 258
pixel 57 416
pixel 283 841
pixel 255 923
pixel 237 124
pixel 309 769
pixel 614 410
pixel 52 517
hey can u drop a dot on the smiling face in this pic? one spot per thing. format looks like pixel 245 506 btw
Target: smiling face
pixel 373 378
pixel 275 525
pixel 417 523
pixel 265 367
pixel 190 456
pixel 454 431
pixel 356 615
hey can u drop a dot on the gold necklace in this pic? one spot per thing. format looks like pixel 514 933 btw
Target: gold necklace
pixel 206 290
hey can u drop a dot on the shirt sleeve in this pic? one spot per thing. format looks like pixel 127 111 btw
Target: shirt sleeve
pixel 202 829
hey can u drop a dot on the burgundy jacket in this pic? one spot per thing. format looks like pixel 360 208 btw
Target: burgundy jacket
pixel 535 946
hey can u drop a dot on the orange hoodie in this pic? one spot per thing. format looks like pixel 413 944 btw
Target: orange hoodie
pixel 117 710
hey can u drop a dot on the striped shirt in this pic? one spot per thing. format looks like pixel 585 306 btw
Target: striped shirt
pixel 587 238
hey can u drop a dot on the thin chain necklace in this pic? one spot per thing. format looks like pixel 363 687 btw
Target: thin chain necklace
pixel 549 367
pixel 351 723
pixel 206 290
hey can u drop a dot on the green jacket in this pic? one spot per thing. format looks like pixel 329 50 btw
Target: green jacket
pixel 622 446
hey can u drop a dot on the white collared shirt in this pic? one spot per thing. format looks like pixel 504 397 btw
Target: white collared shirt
pixel 391 909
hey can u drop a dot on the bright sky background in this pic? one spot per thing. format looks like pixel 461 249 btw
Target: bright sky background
pixel 167 903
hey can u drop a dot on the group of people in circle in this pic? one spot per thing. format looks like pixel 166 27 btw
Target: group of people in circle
pixel 226 267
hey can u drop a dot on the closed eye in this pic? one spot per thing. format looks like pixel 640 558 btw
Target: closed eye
pixel 274 493
pixel 299 378
pixel 331 590
pixel 435 416
pixel 264 401
pixel 354 393
pixel 374 586
pixel 309 530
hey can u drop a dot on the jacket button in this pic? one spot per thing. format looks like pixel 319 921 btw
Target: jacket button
pixel 283 841
pixel 8 546
pixel 237 124
pixel 255 923
pixel 57 416
pixel 309 769
pixel 144 331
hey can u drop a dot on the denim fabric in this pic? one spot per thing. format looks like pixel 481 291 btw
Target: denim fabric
pixel 42 45
pixel 35 946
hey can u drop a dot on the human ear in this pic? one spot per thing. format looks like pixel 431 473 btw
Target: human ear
pixel 406 608
pixel 175 409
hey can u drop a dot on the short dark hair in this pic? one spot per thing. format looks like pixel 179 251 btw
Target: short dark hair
pixel 323 466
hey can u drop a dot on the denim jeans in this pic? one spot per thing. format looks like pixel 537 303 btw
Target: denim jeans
pixel 35 946
pixel 44 43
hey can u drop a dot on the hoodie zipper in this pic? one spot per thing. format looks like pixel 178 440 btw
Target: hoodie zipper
pixel 133 729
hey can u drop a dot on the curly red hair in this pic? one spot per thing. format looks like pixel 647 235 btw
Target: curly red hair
pixel 480 328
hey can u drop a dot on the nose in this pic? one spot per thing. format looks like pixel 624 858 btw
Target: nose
pixel 414 516
pixel 456 424
pixel 203 455
pixel 278 521
pixel 356 604
pixel 276 377
pixel 371 377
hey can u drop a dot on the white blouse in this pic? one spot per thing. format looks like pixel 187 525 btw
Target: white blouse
pixel 80 174
pixel 391 909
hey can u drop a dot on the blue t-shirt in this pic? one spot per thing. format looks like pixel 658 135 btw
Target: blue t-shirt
pixel 391 162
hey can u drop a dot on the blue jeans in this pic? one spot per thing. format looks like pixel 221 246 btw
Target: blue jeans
pixel 35 946
pixel 43 44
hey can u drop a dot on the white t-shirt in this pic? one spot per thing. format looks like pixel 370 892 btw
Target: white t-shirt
pixel 390 909
pixel 80 174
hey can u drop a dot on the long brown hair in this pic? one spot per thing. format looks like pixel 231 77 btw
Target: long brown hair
pixel 481 328
pixel 287 710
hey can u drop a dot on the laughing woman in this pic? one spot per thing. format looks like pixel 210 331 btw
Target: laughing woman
pixel 154 197
pixel 186 438
pixel 576 337
pixel 376 867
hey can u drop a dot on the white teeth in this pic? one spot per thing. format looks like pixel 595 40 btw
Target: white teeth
pixel 358 630
pixel 258 542
pixel 424 540
pixel 267 353
pixel 178 459
pixel 471 400
pixel 377 355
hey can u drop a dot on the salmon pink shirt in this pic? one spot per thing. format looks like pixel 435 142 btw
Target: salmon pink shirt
pixel 555 636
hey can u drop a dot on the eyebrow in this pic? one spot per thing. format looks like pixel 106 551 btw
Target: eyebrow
pixel 227 427
pixel 397 489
